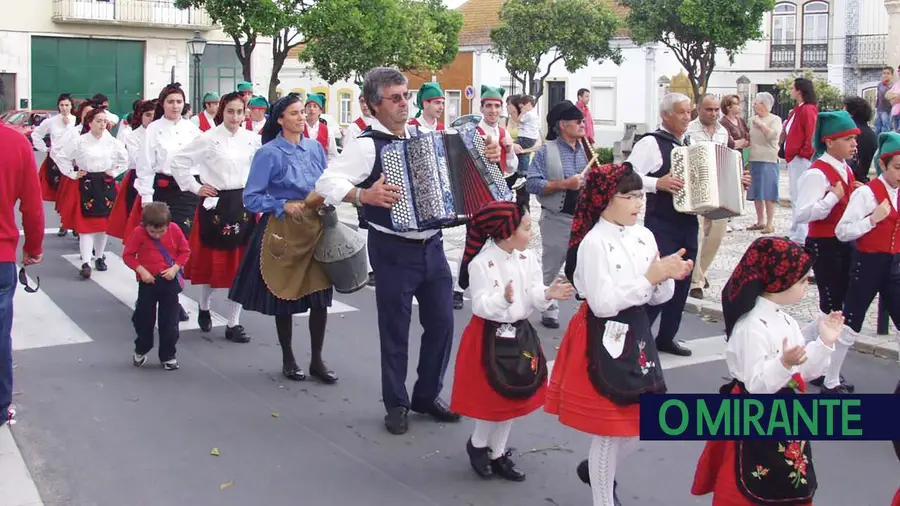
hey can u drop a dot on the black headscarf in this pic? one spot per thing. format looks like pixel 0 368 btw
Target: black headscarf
pixel 770 265
pixel 562 111
pixel 272 128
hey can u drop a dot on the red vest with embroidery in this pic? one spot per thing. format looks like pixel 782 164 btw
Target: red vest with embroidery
pixel 204 123
pixel 415 122
pixel 503 149
pixel 825 228
pixel 884 237
pixel 321 135
pixel 361 123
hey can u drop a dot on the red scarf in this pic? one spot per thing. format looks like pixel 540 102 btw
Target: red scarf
pixel 204 123
pixel 321 136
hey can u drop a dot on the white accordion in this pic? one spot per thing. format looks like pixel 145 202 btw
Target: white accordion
pixel 712 180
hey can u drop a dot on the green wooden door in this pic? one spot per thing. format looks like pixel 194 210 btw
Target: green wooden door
pixel 84 67
pixel 220 72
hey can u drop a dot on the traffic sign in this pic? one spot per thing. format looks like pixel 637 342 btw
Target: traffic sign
pixel 470 92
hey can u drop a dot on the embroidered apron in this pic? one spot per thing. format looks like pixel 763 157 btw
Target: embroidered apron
pixel 98 194
pixel 514 360
pixel 53 173
pixel 229 225
pixel 623 362
pixel 182 204
pixel 286 258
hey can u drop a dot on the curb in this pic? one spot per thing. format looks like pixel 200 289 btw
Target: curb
pixel 864 344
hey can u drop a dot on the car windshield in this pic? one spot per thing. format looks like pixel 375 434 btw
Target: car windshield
pixel 16 119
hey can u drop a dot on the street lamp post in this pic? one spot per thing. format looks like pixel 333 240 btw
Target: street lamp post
pixel 197 46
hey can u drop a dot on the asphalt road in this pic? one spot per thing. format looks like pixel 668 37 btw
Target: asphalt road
pixel 94 430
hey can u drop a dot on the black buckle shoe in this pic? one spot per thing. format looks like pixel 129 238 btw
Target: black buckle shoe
pixel 61 232
pixel 505 468
pixel 293 373
pixel 322 373
pixel 85 271
pixel 100 264
pixel 234 334
pixel 457 300
pixel 674 348
pixel 550 323
pixel 204 320
pixel 480 460
pixel 182 314
pixel 838 390
pixel 396 421
pixel 820 382
pixel 436 409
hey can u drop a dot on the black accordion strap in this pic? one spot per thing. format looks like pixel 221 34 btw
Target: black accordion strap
pixel 378 134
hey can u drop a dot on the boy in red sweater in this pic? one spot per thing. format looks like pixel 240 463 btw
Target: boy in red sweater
pixel 156 251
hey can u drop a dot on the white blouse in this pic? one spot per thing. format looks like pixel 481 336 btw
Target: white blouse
pixel 489 273
pixel 134 143
pixel 612 264
pixel 124 132
pixel 815 200
pixel 57 130
pixel 163 140
pixel 106 154
pixel 223 157
pixel 753 352
pixel 353 130
pixel 855 222
pixel 313 131
pixel 257 126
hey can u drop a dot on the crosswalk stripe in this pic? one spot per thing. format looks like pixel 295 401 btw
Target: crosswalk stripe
pixel 39 323
pixel 46 231
pixel 119 280
pixel 336 307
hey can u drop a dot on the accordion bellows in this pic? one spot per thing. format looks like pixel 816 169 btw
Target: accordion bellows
pixel 444 178
pixel 712 180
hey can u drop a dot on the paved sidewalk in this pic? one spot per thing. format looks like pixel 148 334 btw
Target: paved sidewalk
pixel 730 252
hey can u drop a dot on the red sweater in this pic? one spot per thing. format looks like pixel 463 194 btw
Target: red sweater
pixel 19 183
pixel 140 250
pixel 798 141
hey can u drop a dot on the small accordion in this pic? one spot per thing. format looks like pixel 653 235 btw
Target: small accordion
pixel 712 180
pixel 444 178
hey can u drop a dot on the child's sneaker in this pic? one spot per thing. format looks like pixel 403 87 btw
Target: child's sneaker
pixel 139 360
pixel 170 365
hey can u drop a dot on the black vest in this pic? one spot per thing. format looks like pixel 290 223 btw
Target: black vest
pixel 374 214
pixel 659 204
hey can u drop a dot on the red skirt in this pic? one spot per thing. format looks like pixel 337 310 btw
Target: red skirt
pixel 68 204
pixel 118 217
pixel 896 501
pixel 213 267
pixel 716 474
pixel 48 192
pixel 134 217
pixel 472 395
pixel 573 398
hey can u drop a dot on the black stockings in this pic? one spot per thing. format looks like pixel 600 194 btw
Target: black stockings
pixel 284 325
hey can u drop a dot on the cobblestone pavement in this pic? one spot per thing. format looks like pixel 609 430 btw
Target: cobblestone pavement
pixel 730 252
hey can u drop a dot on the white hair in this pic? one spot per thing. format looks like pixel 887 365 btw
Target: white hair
pixel 765 99
pixel 667 104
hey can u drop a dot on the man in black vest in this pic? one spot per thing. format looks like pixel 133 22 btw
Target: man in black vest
pixel 406 264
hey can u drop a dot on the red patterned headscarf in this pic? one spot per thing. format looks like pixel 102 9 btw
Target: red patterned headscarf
pixel 599 189
pixel 497 220
pixel 770 265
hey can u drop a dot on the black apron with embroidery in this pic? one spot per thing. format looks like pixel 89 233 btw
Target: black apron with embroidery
pixel 636 371
pixel 229 225
pixel 182 204
pixel 515 366
pixel 53 174
pixel 98 194
pixel 773 472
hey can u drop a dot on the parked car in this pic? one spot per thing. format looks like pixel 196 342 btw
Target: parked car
pixel 26 120
pixel 471 118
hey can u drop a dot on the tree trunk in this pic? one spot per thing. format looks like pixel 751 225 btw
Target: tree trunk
pixel 244 52
pixel 277 64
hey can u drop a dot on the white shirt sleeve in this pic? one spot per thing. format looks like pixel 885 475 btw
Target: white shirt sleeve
pixel 815 198
pixel 606 296
pixel 332 147
pixel 43 130
pixel 855 222
pixel 538 288
pixel 346 171
pixel 646 158
pixel 144 173
pixel 65 157
pixel 190 156
pixel 119 156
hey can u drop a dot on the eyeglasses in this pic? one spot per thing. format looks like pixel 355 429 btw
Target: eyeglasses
pixel 398 98
pixel 23 279
pixel 631 196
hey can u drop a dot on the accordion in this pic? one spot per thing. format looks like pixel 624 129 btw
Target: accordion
pixel 712 180
pixel 444 178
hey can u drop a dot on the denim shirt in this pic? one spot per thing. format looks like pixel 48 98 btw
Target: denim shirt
pixel 283 171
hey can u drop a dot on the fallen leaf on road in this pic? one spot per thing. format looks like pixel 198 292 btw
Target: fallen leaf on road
pixel 556 448
pixel 214 452
pixel 275 414
pixel 226 485
pixel 432 454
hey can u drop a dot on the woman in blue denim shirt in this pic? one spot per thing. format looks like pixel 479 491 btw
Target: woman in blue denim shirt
pixel 283 173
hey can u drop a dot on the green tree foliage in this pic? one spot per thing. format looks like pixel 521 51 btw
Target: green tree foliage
pixel 695 30
pixel 347 38
pixel 571 31
pixel 828 97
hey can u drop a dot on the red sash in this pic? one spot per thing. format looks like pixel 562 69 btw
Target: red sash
pixel 249 123
pixel 503 148
pixel 204 123
pixel 361 123
pixel 321 136
pixel 415 122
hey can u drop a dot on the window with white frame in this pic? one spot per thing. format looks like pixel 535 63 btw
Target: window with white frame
pixel 784 24
pixel 870 94
pixel 453 108
pixel 346 109
pixel 815 22
pixel 603 101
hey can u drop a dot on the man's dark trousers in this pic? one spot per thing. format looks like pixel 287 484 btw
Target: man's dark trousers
pixel 7 291
pixel 161 297
pixel 669 239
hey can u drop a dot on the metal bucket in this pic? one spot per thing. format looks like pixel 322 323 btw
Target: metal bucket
pixel 342 253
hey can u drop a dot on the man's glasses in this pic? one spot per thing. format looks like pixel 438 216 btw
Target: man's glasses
pixel 23 279
pixel 400 97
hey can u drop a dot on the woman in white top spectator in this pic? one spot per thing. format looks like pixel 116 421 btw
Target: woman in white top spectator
pixel 765 129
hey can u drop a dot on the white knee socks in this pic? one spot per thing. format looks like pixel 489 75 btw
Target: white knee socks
pixel 606 452
pixel 841 347
pixel 234 308
pixel 492 435
pixel 91 246
pixel 206 293
pixel 234 315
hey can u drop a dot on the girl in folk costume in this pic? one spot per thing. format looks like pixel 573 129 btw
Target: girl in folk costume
pixel 256 114
pixel 205 120
pixel 69 186
pixel 100 158
pixel 430 102
pixel 316 128
pixel 278 276
pixel 141 117
pixel 825 190
pixel 872 220
pixel 767 353
pixel 57 127
pixel 125 124
pixel 608 355
pixel 224 226
pixel 501 370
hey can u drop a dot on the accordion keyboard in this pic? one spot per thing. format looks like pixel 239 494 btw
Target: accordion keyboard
pixel 394 167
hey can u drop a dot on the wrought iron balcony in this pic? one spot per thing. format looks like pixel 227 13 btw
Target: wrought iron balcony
pixel 783 55
pixel 866 50
pixel 814 55
pixel 155 13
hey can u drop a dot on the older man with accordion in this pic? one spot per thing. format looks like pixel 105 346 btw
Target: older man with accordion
pixel 410 187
